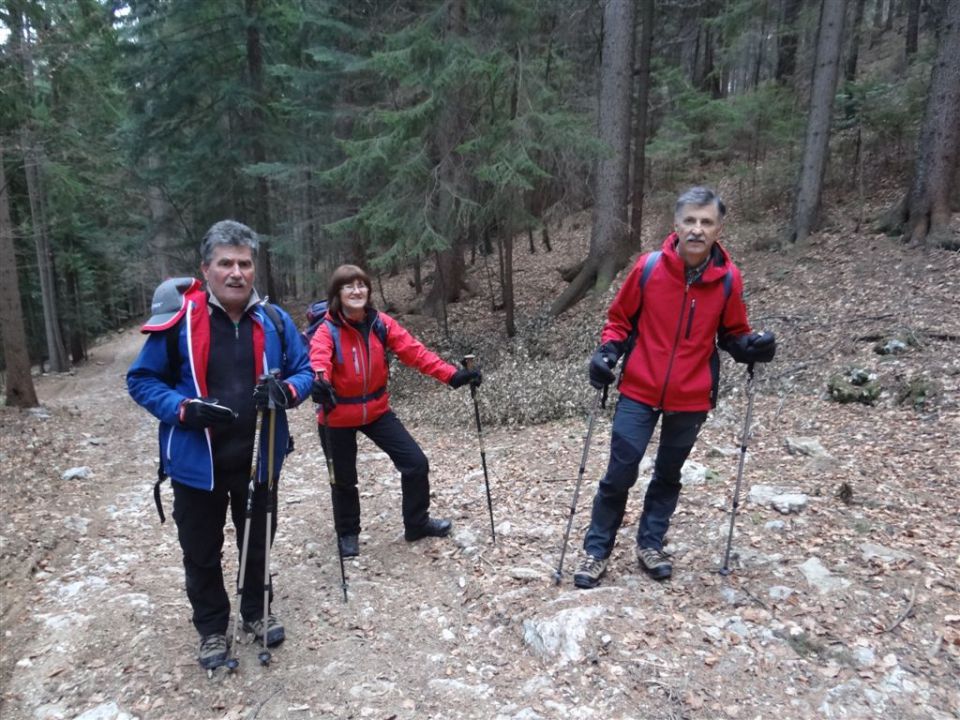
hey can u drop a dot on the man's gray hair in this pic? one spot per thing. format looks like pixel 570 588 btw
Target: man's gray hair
pixel 227 232
pixel 700 196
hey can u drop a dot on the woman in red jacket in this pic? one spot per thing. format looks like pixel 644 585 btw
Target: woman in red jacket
pixel 348 354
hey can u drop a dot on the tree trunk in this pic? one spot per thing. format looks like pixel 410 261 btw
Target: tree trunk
pixel 913 27
pixel 261 197
pixel 850 68
pixel 508 282
pixel 19 391
pixel 640 125
pixel 609 237
pixel 829 42
pixel 450 266
pixel 56 351
pixel 928 206
pixel 787 47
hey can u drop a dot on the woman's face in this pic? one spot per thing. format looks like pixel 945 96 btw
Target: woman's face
pixel 353 298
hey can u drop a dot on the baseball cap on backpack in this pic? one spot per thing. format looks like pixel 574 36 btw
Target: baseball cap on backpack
pixel 169 302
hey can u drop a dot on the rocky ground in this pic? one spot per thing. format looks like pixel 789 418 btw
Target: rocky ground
pixel 844 600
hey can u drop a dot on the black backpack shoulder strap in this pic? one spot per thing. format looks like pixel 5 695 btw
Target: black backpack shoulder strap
pixel 172 336
pixel 648 265
pixel 380 329
pixel 278 323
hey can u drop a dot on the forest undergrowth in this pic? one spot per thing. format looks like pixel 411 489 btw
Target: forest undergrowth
pixel 842 602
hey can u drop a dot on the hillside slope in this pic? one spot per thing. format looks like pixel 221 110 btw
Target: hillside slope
pixel 843 604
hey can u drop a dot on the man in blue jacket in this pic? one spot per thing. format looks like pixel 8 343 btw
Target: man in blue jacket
pixel 198 374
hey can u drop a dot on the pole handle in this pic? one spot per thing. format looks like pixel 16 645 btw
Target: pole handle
pixel 468 361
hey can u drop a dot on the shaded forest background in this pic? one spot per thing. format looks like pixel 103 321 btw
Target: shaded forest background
pixel 420 137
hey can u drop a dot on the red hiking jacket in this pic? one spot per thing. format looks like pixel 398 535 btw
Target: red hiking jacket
pixel 358 369
pixel 674 364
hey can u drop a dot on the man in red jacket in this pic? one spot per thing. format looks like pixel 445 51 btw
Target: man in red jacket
pixel 674 309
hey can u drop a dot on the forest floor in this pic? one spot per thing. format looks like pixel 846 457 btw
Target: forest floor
pixel 845 603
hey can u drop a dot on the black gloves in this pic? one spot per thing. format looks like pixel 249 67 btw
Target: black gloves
pixel 322 393
pixel 752 348
pixel 270 388
pixel 463 376
pixel 602 364
pixel 200 413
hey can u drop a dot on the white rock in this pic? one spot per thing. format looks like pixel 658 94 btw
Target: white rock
pixel 76 473
pixel 808 446
pixel 525 573
pixel 872 551
pixel 106 711
pixel 780 592
pixel 561 635
pixel 821 578
pixel 789 503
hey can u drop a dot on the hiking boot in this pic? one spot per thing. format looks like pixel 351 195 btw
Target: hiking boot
pixel 590 571
pixel 656 563
pixel 431 528
pixel 213 651
pixel 349 545
pixel 275 634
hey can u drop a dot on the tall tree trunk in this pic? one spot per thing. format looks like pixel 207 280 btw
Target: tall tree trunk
pixel 508 303
pixel 609 237
pixel 850 67
pixel 648 14
pixel 928 206
pixel 787 47
pixel 261 198
pixel 913 27
pixel 20 391
pixel 56 351
pixel 450 270
pixel 827 61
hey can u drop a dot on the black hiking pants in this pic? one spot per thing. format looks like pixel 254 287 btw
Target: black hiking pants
pixel 388 434
pixel 200 516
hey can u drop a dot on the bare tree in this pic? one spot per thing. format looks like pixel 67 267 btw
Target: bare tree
pixel 261 197
pixel 20 391
pixel 913 27
pixel 609 238
pixel 787 46
pixel 449 275
pixel 825 72
pixel 928 204
pixel 640 125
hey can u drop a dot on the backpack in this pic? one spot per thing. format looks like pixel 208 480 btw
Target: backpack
pixel 317 315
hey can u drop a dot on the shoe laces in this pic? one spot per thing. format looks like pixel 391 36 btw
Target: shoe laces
pixel 213 643
pixel 652 555
pixel 591 564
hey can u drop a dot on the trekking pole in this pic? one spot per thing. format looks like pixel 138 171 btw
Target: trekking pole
pixel 468 364
pixel 725 570
pixel 264 656
pixel 232 663
pixel 599 401
pixel 328 454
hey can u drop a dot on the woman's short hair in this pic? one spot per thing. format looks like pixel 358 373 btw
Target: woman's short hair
pixel 344 275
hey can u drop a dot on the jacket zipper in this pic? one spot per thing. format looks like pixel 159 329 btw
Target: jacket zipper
pixel 693 306
pixel 676 342
pixel 357 362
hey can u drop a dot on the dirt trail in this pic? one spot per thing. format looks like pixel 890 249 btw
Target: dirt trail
pixel 842 606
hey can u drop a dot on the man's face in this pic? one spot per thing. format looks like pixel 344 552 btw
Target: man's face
pixel 698 227
pixel 229 276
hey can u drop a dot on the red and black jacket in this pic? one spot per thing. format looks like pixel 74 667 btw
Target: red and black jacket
pixel 355 363
pixel 674 364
